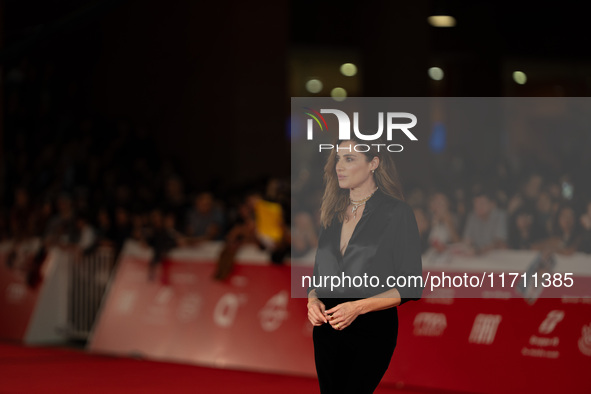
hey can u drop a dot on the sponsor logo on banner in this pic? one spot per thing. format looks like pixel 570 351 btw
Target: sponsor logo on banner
pixel 226 308
pixel 484 328
pixel 429 324
pixel 585 340
pixel 163 296
pixel 159 311
pixel 540 353
pixel 550 322
pixel 189 307
pixel 546 327
pixel 274 312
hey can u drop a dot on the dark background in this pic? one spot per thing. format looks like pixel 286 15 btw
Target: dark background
pixel 204 87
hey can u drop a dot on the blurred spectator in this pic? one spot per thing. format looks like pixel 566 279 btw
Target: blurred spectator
pixel 521 234
pixel 461 208
pixel 416 198
pixel 443 223
pixel 423 226
pixel 175 201
pixel 61 228
pixel 162 237
pixel 542 226
pixel 585 242
pixel 205 219
pixel 21 215
pixel 242 231
pixel 4 234
pixel 104 228
pixel 122 230
pixel 486 227
pixel 261 222
pixel 41 217
pixel 514 204
pixel 566 238
pixel 532 188
pixel 555 191
pixel 85 237
pixel 303 235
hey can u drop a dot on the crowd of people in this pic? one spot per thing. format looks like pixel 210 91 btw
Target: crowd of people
pixel 539 215
pixel 76 178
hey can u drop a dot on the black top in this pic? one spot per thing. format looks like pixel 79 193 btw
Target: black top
pixel 385 243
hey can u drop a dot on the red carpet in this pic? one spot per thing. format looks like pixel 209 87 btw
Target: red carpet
pixel 54 370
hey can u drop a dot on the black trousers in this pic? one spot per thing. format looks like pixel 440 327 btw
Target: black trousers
pixel 354 360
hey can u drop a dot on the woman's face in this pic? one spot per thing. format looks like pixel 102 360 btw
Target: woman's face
pixel 353 169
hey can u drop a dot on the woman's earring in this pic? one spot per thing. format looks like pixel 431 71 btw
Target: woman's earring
pixel 372 171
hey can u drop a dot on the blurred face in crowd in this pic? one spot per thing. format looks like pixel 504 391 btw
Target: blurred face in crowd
pixel 566 219
pixel 46 208
pixel 483 206
pixel 204 203
pixel 21 198
pixel 416 198
pixel 524 221
pixel 103 218
pixel 586 218
pixel 272 190
pixel 555 191
pixel 81 223
pixel 174 187
pixel 64 205
pixel 544 203
pixel 138 221
pixel 121 216
pixel 169 221
pixel 156 218
pixel 439 204
pixel 532 188
pixel 353 169
pixel 252 200
pixel 123 194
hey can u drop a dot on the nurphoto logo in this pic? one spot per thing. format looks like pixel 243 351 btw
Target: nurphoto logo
pixel 391 120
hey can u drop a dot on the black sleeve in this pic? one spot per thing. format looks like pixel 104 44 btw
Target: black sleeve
pixel 315 273
pixel 407 253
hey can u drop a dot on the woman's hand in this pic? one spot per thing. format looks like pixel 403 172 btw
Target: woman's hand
pixel 316 313
pixel 342 315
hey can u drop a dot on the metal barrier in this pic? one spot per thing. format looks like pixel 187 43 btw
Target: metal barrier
pixel 88 276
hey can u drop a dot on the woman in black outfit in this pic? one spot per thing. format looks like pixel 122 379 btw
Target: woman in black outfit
pixel 369 232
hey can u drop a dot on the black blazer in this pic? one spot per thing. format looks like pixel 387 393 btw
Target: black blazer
pixel 385 243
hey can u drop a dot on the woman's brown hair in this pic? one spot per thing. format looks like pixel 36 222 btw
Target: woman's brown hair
pixel 336 200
